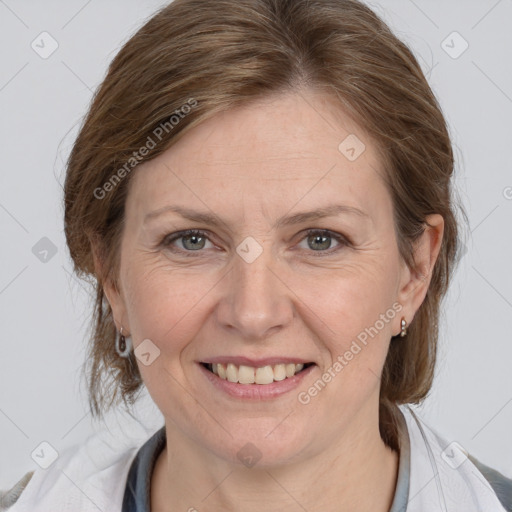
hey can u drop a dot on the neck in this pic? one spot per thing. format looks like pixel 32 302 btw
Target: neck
pixel 357 473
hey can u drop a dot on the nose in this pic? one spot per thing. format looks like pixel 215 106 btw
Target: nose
pixel 255 301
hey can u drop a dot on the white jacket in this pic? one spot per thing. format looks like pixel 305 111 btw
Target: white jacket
pixel 441 476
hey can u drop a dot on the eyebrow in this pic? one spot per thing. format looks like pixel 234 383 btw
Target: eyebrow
pixel 285 220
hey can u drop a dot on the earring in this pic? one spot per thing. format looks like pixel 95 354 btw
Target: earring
pixel 123 345
pixel 403 327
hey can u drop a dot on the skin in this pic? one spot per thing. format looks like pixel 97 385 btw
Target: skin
pixel 250 166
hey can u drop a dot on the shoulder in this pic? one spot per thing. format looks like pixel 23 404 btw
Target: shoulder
pixel 501 485
pixel 10 497
pixel 84 477
pixel 452 474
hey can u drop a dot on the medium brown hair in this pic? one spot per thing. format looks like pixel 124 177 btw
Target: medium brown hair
pixel 224 53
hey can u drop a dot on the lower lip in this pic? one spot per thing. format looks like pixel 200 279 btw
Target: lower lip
pixel 256 391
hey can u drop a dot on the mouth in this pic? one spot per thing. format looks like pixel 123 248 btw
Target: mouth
pixel 249 375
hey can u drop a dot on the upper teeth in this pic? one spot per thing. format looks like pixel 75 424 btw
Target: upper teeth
pixel 249 375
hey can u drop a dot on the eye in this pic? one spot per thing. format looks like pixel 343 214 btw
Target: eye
pixel 190 240
pixel 321 240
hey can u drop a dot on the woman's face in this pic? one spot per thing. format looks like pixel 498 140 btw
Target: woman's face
pixel 295 260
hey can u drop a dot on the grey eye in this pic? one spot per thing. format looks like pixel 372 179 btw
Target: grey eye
pixel 193 242
pixel 322 240
pixel 319 242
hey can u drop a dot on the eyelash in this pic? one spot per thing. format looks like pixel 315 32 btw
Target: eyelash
pixel 170 238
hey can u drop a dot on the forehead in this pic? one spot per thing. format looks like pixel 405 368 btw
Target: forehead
pixel 275 151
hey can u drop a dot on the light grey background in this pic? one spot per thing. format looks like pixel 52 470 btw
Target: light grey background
pixel 45 310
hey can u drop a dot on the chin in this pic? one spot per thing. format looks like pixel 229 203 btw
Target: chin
pixel 263 450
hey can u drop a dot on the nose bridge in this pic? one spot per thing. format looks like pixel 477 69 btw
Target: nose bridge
pixel 255 300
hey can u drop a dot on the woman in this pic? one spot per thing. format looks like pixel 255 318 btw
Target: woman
pixel 262 189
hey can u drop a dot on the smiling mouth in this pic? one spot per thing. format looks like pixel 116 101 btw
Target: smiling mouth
pixel 242 374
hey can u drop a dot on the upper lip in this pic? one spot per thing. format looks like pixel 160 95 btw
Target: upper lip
pixel 255 363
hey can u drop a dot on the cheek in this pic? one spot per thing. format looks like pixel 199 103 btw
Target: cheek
pixel 352 316
pixel 352 311
pixel 166 306
pixel 351 298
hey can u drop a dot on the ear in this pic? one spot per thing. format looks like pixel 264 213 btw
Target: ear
pixel 414 283
pixel 111 290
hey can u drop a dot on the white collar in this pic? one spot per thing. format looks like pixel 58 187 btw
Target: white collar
pixel 442 478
